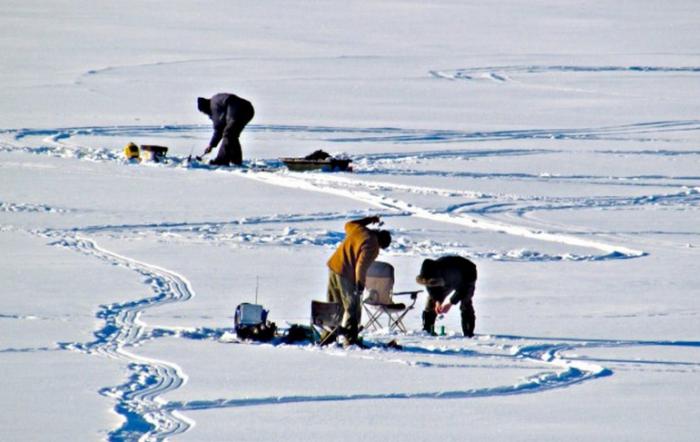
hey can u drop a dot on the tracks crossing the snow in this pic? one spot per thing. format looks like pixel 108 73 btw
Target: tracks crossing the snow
pixel 139 398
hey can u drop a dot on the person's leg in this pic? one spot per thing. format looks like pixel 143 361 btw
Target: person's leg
pixel 221 156
pixel 465 293
pixel 232 133
pixel 429 316
pixel 352 309
pixel 468 318
pixel 333 294
pixel 342 291
pixel 230 149
pixel 236 155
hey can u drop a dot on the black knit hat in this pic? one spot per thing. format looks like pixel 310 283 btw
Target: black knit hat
pixel 429 274
pixel 384 238
pixel 204 105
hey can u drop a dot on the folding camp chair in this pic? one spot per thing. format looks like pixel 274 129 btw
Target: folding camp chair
pixel 379 300
pixel 325 320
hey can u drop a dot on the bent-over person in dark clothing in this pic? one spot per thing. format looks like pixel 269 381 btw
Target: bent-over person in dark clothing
pixel 229 115
pixel 441 277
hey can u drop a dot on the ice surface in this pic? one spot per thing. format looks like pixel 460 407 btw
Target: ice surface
pixel 556 145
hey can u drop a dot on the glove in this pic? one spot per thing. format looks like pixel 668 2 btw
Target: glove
pixel 442 309
pixel 359 289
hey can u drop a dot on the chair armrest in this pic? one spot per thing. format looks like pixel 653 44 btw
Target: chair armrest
pixel 411 293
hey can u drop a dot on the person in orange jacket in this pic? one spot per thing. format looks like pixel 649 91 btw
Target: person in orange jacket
pixel 348 269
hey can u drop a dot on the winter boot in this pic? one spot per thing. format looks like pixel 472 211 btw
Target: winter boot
pixel 429 322
pixel 218 162
pixel 350 332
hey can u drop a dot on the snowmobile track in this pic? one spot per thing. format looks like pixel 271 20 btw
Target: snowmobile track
pixel 137 400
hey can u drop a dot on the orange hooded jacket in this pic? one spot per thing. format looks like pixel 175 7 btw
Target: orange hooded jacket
pixel 356 253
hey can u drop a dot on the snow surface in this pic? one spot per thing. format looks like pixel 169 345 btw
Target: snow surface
pixel 557 144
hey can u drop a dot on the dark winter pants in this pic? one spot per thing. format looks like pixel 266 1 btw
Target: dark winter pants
pixel 230 149
pixel 343 291
pixel 466 308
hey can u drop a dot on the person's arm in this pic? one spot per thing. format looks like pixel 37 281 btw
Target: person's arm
pixel 368 253
pixel 462 293
pixel 444 307
pixel 216 137
pixel 362 222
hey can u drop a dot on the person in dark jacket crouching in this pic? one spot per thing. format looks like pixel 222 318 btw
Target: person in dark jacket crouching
pixel 441 277
pixel 229 115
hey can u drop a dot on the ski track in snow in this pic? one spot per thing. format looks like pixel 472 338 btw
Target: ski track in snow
pixel 472 215
pixel 58 138
pixel 674 181
pixel 30 208
pixel 320 183
pixel 148 417
pixel 503 73
pixel 563 371
pixel 513 73
pixel 137 400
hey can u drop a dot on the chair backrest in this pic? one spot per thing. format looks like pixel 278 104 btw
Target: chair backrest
pixel 326 314
pixel 380 283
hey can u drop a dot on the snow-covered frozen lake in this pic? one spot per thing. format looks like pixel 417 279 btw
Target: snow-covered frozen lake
pixel 557 145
